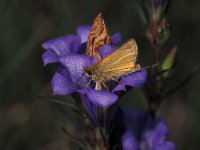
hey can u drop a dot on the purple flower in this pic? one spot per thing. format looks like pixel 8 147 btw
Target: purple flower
pixel 144 133
pixel 69 53
pixel 62 46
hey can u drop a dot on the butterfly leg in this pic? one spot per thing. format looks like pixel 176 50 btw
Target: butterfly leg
pixel 105 86
pixel 88 83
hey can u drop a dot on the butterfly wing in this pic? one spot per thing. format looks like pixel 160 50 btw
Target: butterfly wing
pixel 121 62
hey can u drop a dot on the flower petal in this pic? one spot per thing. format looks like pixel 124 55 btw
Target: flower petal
pixel 62 85
pixel 136 79
pixel 101 98
pixel 159 134
pixel 154 135
pixel 90 108
pixel 128 141
pixel 106 50
pixel 117 39
pixel 165 146
pixel 83 91
pixel 161 130
pixel 75 64
pixel 82 48
pixel 150 133
pixel 62 45
pixel 49 56
pixel 83 32
pixel 135 121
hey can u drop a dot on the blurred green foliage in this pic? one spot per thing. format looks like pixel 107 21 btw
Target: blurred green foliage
pixel 29 124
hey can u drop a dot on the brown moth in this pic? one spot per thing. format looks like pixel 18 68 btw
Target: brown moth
pixel 119 63
pixel 98 37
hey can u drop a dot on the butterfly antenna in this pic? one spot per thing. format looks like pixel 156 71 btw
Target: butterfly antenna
pixel 115 80
pixel 140 60
pixel 152 66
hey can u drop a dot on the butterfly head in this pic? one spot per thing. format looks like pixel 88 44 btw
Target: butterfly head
pixel 88 72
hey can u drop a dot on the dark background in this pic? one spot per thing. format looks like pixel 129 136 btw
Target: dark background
pixel 30 124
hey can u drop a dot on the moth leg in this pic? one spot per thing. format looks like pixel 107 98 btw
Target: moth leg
pixel 105 86
pixel 88 83
pixel 98 85
pixel 102 81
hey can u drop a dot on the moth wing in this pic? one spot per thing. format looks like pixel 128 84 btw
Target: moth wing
pixel 121 62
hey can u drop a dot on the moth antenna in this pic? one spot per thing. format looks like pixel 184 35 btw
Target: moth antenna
pixel 139 60
pixel 115 80
pixel 152 66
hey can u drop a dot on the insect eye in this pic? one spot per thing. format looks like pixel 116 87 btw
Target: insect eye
pixel 89 72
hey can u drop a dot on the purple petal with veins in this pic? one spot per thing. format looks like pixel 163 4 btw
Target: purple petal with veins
pixel 135 79
pixel 128 141
pixel 101 98
pixel 62 85
pixel 106 50
pixel 49 56
pixel 75 64
pixel 83 32
pixel 117 39
pixel 62 45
